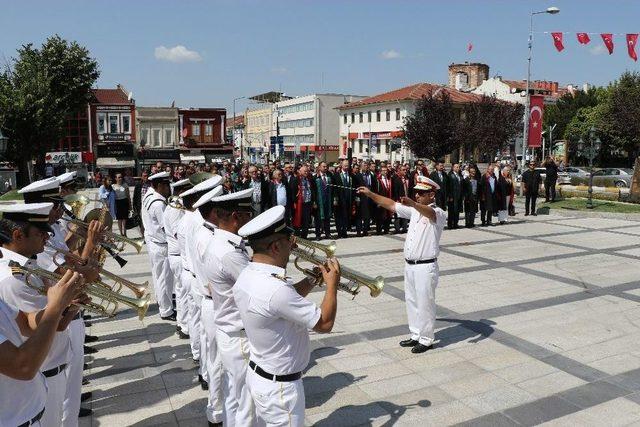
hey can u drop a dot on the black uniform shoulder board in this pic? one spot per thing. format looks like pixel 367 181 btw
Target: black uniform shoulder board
pixel 280 277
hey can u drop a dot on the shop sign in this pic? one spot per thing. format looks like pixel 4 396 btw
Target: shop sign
pixel 115 150
pixel 64 157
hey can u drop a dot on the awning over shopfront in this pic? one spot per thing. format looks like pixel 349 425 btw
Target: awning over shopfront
pixel 112 162
pixel 186 158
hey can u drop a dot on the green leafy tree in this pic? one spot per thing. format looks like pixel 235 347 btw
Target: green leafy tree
pixel 39 89
pixel 432 131
pixel 564 110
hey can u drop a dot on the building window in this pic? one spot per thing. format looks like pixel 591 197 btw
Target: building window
pixel 113 123
pixel 397 114
pixel 208 129
pixel 369 116
pixel 168 137
pixel 195 129
pixel 383 146
pixel 388 115
pixel 377 115
pixel 155 138
pixel 353 117
pixel 102 123
pixel 144 135
pixel 126 123
pixel 344 118
pixel 359 146
pixel 360 115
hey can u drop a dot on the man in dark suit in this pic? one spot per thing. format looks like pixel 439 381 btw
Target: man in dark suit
pixel 400 188
pixel 454 196
pixel 260 199
pixel 488 196
pixel 383 216
pixel 303 192
pixel 345 199
pixel 531 180
pixel 440 177
pixel 366 208
pixel 280 194
pixel 323 202
pixel 470 191
pixel 550 179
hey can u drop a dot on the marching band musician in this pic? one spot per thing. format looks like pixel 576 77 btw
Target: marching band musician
pixel 153 206
pixel 189 230
pixel 421 249
pixel 226 257
pixel 172 216
pixel 277 316
pixel 25 230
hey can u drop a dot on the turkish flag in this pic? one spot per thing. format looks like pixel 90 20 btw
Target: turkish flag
pixel 632 40
pixel 557 41
pixel 583 38
pixel 469 47
pixel 536 111
pixel 607 38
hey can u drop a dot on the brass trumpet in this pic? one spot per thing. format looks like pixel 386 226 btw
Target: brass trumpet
pixel 77 203
pixel 174 202
pixel 139 289
pixel 109 299
pixel 311 247
pixel 110 239
pixel 306 252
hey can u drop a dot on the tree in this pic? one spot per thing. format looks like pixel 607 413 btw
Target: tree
pixel 38 90
pixel 490 124
pixel 564 110
pixel 432 130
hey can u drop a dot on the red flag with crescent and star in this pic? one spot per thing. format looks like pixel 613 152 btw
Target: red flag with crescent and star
pixel 557 41
pixel 632 40
pixel 607 38
pixel 469 47
pixel 536 111
pixel 583 38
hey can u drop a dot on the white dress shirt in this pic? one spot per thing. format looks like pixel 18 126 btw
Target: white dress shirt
pixel 20 401
pixel 172 217
pixel 153 207
pixel 423 237
pixel 226 258
pixel 200 241
pixel 45 259
pixel 276 318
pixel 18 295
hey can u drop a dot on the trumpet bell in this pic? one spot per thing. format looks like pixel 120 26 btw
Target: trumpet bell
pixel 310 247
pixel 199 177
pixel 101 215
pixel 77 202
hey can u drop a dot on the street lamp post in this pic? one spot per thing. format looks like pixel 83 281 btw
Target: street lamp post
pixel 233 135
pixel 4 143
pixel 591 152
pixel 527 112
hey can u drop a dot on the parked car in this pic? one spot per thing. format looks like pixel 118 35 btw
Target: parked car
pixel 576 175
pixel 607 177
pixel 563 177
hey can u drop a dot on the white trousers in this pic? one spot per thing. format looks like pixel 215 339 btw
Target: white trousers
pixel 214 365
pixel 420 283
pixel 194 335
pixel 277 403
pixel 182 308
pixel 160 273
pixel 234 354
pixel 197 331
pixel 71 405
pixel 56 389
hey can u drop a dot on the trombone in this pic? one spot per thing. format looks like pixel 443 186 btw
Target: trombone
pixel 109 299
pixel 306 252
pixel 139 289
pixel 110 240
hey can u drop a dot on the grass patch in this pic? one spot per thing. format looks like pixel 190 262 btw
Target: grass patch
pixel 11 195
pixel 580 204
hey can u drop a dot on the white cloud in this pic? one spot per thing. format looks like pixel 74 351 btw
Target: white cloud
pixel 598 50
pixel 177 53
pixel 390 54
pixel 279 70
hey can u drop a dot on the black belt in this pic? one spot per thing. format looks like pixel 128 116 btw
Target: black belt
pixel 33 420
pixel 208 297
pixel 421 261
pixel 174 254
pixel 55 371
pixel 280 378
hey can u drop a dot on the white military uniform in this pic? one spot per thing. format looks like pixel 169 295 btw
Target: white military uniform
pixel 183 230
pixel 420 280
pixel 19 296
pixel 153 206
pixel 277 320
pixel 20 401
pixel 172 218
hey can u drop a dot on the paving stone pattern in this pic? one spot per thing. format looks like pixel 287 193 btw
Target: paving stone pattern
pixel 538 322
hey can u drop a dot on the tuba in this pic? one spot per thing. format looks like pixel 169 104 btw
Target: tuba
pixel 306 252
pixel 109 299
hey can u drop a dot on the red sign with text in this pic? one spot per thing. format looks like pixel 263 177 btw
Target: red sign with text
pixel 535 121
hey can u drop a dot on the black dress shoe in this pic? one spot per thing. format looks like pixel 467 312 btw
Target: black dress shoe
pixel 86 396
pixel 85 367
pixel 408 343
pixel 85 412
pixel 90 338
pixel 89 350
pixel 215 424
pixel 421 348
pixel 197 363
pixel 85 381
pixel 88 324
pixel 204 385
pixel 182 335
pixel 86 317
pixel 171 317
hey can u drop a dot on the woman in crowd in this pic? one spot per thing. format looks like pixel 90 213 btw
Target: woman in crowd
pixel 107 195
pixel 122 203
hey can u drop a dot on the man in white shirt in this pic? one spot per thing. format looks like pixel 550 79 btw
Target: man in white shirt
pixel 226 257
pixel 421 249
pixel 277 317
pixel 153 206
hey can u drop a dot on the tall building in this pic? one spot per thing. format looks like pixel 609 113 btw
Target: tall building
pixel 157 135
pixel 258 130
pixel 203 135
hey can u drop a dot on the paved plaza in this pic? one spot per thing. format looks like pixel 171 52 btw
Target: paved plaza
pixel 538 322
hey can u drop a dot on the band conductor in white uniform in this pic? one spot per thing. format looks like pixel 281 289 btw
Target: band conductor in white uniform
pixel 226 257
pixel 153 206
pixel 277 318
pixel 421 250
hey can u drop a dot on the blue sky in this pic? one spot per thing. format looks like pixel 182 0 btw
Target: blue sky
pixel 228 49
